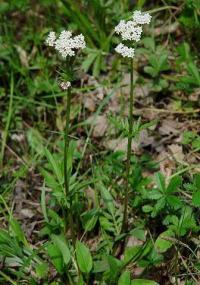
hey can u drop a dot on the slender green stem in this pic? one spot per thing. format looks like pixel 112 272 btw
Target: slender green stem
pixel 66 147
pixel 128 160
pixel 7 278
pixel 66 177
pixel 8 121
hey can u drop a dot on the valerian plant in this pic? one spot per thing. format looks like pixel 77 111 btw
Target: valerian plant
pixel 130 31
pixel 67 46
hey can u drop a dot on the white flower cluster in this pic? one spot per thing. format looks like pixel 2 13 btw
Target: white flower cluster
pixel 129 31
pixel 132 31
pixel 65 85
pixel 65 44
pixel 141 18
pixel 125 51
pixel 50 40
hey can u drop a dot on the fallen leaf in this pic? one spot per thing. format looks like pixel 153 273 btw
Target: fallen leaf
pixel 89 103
pixel 167 164
pixel 177 152
pixel 145 139
pixel 27 213
pixel 22 56
pixel 100 125
pixel 121 145
pixel 169 127
pixel 142 91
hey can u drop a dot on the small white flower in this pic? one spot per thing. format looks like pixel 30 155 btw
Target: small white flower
pixel 125 51
pixel 141 18
pixel 121 27
pixel 79 42
pixel 65 85
pixel 129 31
pixel 65 44
pixel 51 38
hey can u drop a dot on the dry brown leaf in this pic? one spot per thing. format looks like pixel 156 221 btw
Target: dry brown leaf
pixel 22 56
pixel 167 164
pixel 27 213
pixel 100 125
pixel 141 91
pixel 166 29
pixel 169 127
pixel 145 139
pixel 177 152
pixel 120 145
pixel 89 103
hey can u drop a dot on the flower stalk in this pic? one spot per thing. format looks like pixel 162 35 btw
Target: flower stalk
pixel 66 146
pixel 129 147
pixel 66 168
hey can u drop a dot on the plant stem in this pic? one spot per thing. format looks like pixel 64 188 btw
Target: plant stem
pixel 8 121
pixel 66 177
pixel 128 160
pixel 66 137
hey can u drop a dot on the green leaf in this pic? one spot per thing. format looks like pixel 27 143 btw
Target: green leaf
pixel 108 199
pixel 84 257
pixel 61 243
pixel 161 244
pixel 55 166
pixel 97 65
pixel 160 181
pixel 115 267
pixel 35 140
pixel 42 270
pixel 17 231
pixel 158 206
pixel 149 43
pixel 43 204
pixel 150 70
pixel 174 184
pixel 174 201
pixel 106 224
pixel 139 233
pixel 89 60
pixel 184 52
pixel 125 279
pixel 143 282
pixel 101 265
pixel 56 257
pixel 147 209
pixel 154 194
pixel 131 253
pixel 194 71
pixel 196 198
pixel 90 219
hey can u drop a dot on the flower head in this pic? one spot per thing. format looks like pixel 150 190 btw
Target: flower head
pixel 131 31
pixel 79 42
pixel 65 44
pixel 65 85
pixel 141 18
pixel 50 40
pixel 125 51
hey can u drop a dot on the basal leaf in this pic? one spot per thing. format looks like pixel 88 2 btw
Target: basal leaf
pixel 84 257
pixel 61 243
pixel 125 279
